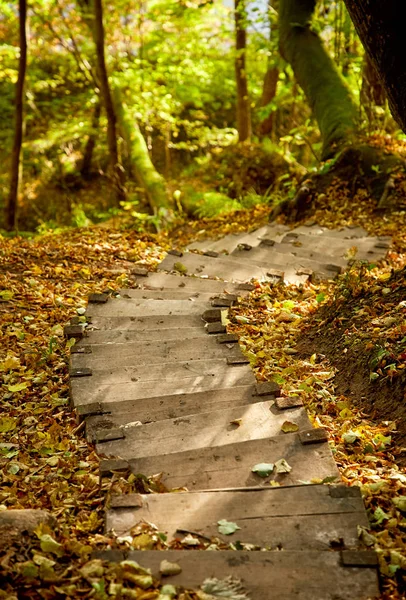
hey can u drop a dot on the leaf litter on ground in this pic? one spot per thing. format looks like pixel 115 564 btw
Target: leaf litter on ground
pixel 47 279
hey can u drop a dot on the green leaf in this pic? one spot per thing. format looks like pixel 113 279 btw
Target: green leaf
pixel 178 266
pixel 380 515
pixel 167 591
pixel 263 469
pixel 13 468
pixel 400 503
pixel 320 298
pixel 18 387
pixel 48 544
pixel 6 294
pixel 227 527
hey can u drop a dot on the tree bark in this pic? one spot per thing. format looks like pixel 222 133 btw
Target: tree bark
pixel 91 142
pixel 326 91
pixel 98 37
pixel 145 172
pixel 243 101
pixel 372 93
pixel 381 31
pixel 268 94
pixel 12 202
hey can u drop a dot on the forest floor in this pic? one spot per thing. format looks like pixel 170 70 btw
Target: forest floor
pixel 305 339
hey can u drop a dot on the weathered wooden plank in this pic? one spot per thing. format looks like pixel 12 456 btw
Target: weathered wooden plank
pixel 228 268
pixel 127 307
pixel 107 357
pixel 100 323
pixel 210 429
pixel 340 233
pixel 140 383
pixel 171 294
pixel 230 466
pixel 179 405
pixel 256 512
pixel 286 575
pixel 166 281
pixel 229 242
pixel 268 253
pixel 364 248
pixel 118 337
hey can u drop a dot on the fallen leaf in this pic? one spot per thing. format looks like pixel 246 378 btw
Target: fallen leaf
pixel 169 568
pixel 281 466
pixel 227 527
pixel 263 469
pixel 181 268
pixel 289 427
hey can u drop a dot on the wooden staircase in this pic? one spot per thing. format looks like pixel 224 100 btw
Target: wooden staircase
pixel 164 389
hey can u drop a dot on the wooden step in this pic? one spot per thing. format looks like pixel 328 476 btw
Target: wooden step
pixel 286 575
pixel 169 294
pixel 265 254
pixel 167 281
pixel 119 336
pixel 140 383
pixel 125 307
pixel 346 233
pixel 287 518
pixel 172 407
pixel 299 253
pixel 231 269
pixel 230 466
pixel 364 248
pixel 230 242
pixel 104 323
pixel 106 357
pixel 204 430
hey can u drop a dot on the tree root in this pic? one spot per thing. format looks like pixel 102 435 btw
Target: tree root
pixel 363 166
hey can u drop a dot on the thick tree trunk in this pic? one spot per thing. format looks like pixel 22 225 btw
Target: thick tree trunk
pixel 145 172
pixel 268 94
pixel 381 29
pixel 11 209
pixel 243 101
pixel 325 89
pixel 98 36
pixel 91 142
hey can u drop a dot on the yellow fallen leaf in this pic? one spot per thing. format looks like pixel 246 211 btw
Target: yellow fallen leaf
pixel 289 427
pixel 11 362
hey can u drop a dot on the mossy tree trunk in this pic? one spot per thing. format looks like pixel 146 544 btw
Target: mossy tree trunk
pixel 243 101
pixel 11 208
pixel 146 174
pixel 381 29
pixel 326 91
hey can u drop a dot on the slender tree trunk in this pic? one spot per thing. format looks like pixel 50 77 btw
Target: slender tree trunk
pixel 372 93
pixel 268 94
pixel 243 101
pixel 145 172
pixel 11 210
pixel 98 36
pixel 91 142
pixel 325 89
pixel 381 29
